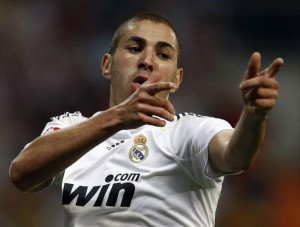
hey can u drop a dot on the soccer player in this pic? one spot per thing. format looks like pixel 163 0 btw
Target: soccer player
pixel 137 163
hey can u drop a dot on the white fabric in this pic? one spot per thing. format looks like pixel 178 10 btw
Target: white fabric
pixel 170 187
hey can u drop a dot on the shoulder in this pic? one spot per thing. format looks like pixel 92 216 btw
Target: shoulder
pixel 194 120
pixel 63 120
pixel 67 115
pixel 187 115
pixel 196 117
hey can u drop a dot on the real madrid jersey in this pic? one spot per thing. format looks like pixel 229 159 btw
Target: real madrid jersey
pixel 149 176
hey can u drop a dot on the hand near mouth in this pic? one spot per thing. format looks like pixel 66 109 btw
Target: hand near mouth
pixel 138 81
pixel 145 107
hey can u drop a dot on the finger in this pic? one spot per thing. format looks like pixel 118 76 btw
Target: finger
pixel 155 88
pixel 261 93
pixel 261 81
pixel 253 66
pixel 274 68
pixel 150 120
pixel 156 111
pixel 265 104
pixel 167 105
pixel 158 102
pixel 266 93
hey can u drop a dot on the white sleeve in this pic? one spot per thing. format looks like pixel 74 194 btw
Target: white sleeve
pixel 190 140
pixel 63 121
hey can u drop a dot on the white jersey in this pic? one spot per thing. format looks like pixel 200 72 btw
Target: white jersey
pixel 150 176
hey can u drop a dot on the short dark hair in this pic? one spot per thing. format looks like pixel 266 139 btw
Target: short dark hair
pixel 154 17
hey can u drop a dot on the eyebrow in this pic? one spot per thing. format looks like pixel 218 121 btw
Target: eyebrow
pixel 137 39
pixel 143 41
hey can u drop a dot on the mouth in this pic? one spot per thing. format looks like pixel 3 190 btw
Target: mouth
pixel 137 82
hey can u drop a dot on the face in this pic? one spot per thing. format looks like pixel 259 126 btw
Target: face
pixel 146 49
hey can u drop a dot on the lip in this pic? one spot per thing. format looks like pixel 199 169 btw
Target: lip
pixel 138 81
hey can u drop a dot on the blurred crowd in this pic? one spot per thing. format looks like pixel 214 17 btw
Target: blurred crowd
pixel 50 54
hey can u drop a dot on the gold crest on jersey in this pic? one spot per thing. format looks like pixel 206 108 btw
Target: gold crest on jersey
pixel 139 151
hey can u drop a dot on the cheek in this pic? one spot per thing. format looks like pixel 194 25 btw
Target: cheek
pixel 120 80
pixel 167 68
pixel 169 74
pixel 124 67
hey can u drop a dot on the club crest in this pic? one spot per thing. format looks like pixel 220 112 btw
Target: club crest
pixel 139 151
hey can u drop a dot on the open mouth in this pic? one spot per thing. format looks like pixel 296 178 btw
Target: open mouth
pixel 137 82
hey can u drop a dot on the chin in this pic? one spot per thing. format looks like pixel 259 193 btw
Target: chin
pixel 164 95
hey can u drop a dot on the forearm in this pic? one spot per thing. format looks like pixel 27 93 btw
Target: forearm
pixel 50 154
pixel 245 142
pixel 235 151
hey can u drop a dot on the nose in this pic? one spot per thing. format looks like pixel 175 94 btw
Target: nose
pixel 146 61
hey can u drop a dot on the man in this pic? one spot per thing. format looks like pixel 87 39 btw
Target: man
pixel 136 164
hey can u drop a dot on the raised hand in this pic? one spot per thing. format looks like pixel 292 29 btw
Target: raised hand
pixel 260 88
pixel 144 106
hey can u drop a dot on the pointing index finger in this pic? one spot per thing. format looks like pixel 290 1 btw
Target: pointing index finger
pixel 154 85
pixel 155 88
pixel 253 66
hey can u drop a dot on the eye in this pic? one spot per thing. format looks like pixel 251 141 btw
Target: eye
pixel 134 49
pixel 163 55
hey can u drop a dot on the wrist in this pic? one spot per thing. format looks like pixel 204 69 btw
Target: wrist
pixel 108 121
pixel 255 113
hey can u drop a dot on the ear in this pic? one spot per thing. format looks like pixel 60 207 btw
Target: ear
pixel 178 79
pixel 106 65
